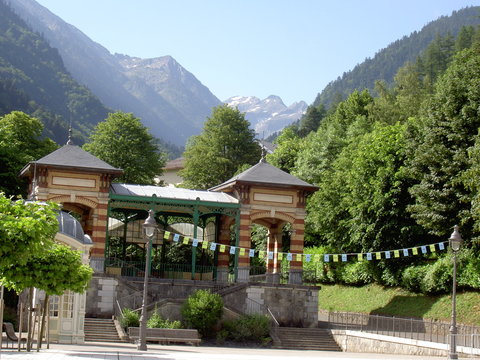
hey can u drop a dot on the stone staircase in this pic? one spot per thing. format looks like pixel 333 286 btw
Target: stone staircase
pixel 101 330
pixel 305 339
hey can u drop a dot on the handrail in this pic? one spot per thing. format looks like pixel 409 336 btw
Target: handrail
pixel 266 310
pixel 273 317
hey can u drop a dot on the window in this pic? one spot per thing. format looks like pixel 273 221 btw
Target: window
pixel 67 304
pixel 53 306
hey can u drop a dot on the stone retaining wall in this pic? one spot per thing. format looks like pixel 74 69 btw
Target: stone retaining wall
pixel 363 342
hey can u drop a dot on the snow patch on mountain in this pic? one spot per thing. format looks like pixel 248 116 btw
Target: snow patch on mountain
pixel 268 115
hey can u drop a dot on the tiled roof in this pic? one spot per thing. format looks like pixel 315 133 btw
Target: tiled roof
pixel 266 174
pixel 75 157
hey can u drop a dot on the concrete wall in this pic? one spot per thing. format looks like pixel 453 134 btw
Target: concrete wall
pixel 101 295
pixel 291 305
pixel 362 342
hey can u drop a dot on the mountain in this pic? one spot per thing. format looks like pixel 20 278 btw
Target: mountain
pixel 386 62
pixel 34 79
pixel 175 84
pixel 168 99
pixel 268 115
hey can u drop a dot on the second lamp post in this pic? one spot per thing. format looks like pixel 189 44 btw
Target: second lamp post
pixel 149 226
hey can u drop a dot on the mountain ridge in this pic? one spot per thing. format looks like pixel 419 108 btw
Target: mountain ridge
pixel 386 62
pixel 269 115
pixel 94 66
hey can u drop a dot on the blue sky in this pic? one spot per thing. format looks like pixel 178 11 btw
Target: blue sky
pixel 289 48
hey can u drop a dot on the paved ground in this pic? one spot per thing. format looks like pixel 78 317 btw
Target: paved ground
pixel 129 352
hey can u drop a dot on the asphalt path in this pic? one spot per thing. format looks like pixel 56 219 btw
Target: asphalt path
pixel 129 352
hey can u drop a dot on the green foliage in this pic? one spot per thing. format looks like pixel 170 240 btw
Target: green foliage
pixel 248 328
pixel 225 144
pixel 20 143
pixel 286 153
pixel 26 230
pixel 202 310
pixel 156 321
pixel 311 120
pixel 34 80
pixel 123 142
pixel 441 157
pixel 396 301
pixel 54 270
pixel 129 318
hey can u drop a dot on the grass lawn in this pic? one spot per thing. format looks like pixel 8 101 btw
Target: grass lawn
pixel 375 299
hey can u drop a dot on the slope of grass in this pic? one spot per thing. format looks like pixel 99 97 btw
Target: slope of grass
pixel 374 299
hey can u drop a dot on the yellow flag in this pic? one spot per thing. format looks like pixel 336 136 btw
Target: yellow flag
pixel 316 257
pixel 166 235
pixel 222 248
pixel 360 257
pixel 204 244
pixel 280 256
pixel 432 247
pixel 242 251
pixel 261 254
pixel 396 253
pixel 378 255
pixel 335 258
pixel 186 240
pixel 415 251
pixel 299 257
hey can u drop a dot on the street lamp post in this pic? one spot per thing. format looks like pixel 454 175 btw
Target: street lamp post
pixel 149 226
pixel 455 241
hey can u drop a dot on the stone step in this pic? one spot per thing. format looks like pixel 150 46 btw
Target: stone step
pixel 100 330
pixel 307 339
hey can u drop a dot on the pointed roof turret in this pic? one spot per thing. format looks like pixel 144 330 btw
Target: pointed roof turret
pixel 72 157
pixel 265 174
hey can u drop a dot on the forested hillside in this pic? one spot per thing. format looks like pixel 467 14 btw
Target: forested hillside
pixel 396 169
pixel 33 79
pixel 386 62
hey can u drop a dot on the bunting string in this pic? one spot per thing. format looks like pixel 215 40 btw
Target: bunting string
pixel 302 257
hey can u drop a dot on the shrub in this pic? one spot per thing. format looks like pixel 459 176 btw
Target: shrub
pixel 248 328
pixel 356 273
pixel 156 321
pixel 413 277
pixel 438 277
pixel 202 310
pixel 130 318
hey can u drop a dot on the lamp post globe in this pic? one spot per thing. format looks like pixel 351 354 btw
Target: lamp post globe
pixel 149 227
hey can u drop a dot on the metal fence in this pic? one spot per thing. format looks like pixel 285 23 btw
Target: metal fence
pixel 116 266
pixel 410 328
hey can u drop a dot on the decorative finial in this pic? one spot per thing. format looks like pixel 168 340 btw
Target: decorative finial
pixel 70 141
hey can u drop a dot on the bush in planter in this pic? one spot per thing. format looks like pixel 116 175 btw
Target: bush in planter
pixel 130 318
pixel 202 310
pixel 156 321
pixel 249 328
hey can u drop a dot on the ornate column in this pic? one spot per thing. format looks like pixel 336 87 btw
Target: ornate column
pixel 223 257
pixel 296 247
pixel 243 274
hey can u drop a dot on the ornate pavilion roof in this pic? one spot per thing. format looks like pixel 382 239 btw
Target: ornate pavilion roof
pixel 73 157
pixel 265 174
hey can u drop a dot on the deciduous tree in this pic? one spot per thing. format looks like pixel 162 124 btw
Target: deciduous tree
pixel 20 143
pixel 225 144
pixel 124 142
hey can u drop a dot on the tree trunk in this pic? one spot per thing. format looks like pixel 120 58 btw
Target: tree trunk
pixel 42 328
pixel 29 319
